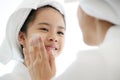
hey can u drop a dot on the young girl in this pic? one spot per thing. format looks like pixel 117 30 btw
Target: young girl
pixel 34 35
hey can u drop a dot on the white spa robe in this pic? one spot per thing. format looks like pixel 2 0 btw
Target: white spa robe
pixel 14 70
pixel 100 64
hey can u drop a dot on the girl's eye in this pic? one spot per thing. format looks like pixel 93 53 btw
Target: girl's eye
pixel 44 29
pixel 60 33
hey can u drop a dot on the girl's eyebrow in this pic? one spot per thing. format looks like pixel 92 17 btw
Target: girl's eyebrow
pixel 47 24
pixel 44 23
pixel 61 27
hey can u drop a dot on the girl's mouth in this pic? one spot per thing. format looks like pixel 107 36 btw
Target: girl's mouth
pixel 51 48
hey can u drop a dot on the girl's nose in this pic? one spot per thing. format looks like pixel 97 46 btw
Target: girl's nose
pixel 52 38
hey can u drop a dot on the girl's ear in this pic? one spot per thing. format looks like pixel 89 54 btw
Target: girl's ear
pixel 21 38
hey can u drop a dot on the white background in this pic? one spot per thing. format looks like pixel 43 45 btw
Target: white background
pixel 73 42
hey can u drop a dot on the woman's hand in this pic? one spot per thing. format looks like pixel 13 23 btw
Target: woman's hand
pixel 40 63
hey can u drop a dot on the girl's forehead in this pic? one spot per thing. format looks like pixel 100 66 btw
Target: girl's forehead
pixel 45 16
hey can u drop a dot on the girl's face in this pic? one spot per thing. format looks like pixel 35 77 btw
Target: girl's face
pixel 50 26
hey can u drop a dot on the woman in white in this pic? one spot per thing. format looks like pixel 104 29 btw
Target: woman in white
pixel 34 34
pixel 99 21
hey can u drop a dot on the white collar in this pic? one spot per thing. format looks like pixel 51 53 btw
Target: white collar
pixel 111 43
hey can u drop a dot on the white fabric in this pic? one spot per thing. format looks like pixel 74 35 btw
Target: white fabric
pixel 102 9
pixel 70 0
pixel 14 70
pixel 10 48
pixel 99 64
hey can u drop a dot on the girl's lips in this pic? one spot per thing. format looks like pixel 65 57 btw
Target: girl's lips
pixel 50 48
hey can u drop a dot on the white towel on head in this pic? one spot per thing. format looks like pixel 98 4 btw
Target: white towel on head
pixel 10 48
pixel 102 9
pixel 70 0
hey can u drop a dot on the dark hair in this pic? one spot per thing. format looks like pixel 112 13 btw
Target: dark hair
pixel 32 15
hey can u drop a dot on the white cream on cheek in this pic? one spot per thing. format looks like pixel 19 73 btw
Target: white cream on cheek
pixel 33 41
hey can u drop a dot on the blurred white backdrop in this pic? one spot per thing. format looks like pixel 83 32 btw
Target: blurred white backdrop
pixel 73 42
